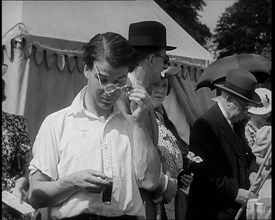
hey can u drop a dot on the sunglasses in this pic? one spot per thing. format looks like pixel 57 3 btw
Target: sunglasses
pixel 165 58
pixel 111 88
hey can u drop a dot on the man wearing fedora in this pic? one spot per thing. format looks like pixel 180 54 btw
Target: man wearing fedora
pixel 221 182
pixel 149 40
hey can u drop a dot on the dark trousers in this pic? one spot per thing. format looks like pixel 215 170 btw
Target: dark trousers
pixel 98 217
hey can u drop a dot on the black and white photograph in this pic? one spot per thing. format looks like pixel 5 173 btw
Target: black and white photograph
pixel 137 109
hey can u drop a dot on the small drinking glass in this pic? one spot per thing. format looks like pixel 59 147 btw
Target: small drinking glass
pixel 107 192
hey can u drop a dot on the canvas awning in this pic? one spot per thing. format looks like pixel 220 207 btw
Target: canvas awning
pixel 42 45
pixel 78 21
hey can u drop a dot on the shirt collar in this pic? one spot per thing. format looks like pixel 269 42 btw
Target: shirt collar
pixel 77 106
pixel 225 114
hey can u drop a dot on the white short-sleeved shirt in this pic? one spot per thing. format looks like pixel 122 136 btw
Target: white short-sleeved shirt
pixel 74 139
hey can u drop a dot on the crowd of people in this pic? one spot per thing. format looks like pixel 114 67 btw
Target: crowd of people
pixel 114 153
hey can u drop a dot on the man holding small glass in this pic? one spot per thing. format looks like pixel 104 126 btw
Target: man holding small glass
pixel 90 158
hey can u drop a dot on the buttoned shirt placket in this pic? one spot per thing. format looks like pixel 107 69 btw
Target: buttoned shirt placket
pixel 107 156
pixel 106 150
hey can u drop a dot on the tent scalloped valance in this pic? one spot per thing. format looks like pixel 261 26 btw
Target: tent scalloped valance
pixel 51 56
pixel 73 59
pixel 18 38
pixel 189 61
pixel 193 71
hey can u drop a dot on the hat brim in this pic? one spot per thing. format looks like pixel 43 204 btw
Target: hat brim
pixel 259 110
pixel 255 97
pixel 168 48
pixel 4 69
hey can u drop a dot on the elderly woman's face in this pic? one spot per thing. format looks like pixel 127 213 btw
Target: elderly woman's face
pixel 158 92
pixel 151 72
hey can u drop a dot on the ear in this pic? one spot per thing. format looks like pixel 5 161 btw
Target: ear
pixel 87 71
pixel 150 59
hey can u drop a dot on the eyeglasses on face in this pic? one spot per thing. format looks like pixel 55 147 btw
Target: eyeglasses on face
pixel 165 58
pixel 111 88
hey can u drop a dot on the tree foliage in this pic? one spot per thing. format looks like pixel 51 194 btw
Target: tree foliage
pixel 185 13
pixel 245 27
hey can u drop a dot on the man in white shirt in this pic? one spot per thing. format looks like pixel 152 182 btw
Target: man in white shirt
pixel 78 148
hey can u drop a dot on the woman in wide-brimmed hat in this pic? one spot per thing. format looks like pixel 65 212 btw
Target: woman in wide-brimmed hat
pixel 258 116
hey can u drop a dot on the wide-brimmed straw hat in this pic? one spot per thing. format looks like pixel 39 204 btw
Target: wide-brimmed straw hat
pixel 148 34
pixel 265 96
pixel 4 69
pixel 241 83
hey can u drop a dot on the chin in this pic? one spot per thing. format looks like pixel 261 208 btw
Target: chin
pixel 105 106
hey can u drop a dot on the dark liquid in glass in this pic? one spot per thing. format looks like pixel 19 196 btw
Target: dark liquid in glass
pixel 107 194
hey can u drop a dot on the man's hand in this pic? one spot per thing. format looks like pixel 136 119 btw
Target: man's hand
pixel 140 102
pixel 19 191
pixel 91 181
pixel 186 181
pixel 20 194
pixel 243 196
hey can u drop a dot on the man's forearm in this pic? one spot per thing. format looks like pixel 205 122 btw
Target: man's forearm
pixel 146 157
pixel 50 193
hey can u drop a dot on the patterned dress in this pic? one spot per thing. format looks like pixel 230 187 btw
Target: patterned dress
pixel 250 133
pixel 15 141
pixel 169 149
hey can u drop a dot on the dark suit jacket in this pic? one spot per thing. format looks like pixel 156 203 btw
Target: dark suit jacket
pixel 227 163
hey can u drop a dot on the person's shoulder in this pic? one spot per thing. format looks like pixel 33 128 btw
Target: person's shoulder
pixel 264 131
pixel 15 118
pixel 210 114
pixel 263 137
pixel 54 122
pixel 209 120
pixel 62 113
pixel 57 117
pixel 10 115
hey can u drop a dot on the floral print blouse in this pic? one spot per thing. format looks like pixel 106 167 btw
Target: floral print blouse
pixel 169 150
pixel 250 133
pixel 15 140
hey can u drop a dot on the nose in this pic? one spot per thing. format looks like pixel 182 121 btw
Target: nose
pixel 160 90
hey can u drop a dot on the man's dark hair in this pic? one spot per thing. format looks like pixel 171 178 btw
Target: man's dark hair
pixel 113 48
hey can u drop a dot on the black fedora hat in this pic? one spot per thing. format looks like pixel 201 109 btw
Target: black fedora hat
pixel 241 83
pixel 148 34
